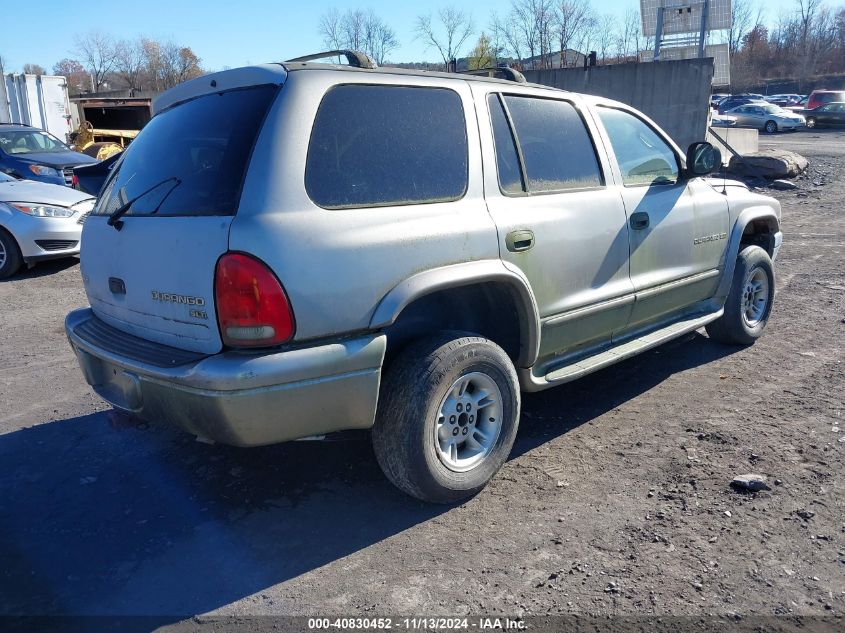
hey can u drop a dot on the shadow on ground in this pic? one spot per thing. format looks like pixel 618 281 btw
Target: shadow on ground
pixel 103 514
pixel 43 269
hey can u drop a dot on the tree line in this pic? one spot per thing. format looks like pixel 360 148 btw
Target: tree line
pixel 800 45
pixel 530 32
pixel 803 42
pixel 99 62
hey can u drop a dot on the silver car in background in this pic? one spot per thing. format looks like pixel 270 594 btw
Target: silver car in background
pixel 767 117
pixel 39 221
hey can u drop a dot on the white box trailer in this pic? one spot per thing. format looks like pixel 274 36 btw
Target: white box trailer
pixel 37 100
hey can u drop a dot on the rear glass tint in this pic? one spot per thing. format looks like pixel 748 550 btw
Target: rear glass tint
pixel 387 145
pixel 190 160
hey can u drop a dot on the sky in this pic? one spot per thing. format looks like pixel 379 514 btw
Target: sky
pixel 229 33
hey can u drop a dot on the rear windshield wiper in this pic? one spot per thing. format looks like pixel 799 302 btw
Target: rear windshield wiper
pixel 114 219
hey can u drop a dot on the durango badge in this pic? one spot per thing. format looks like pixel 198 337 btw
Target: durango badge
pixel 183 299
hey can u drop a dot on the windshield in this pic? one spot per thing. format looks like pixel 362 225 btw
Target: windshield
pixel 773 109
pixel 29 142
pixel 201 147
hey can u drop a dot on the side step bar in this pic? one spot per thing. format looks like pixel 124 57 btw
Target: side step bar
pixel 572 371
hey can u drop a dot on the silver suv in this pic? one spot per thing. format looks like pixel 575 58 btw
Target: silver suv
pixel 294 249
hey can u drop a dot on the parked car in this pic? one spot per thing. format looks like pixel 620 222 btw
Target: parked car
pixel 798 107
pixel 294 249
pixel 767 117
pixel 38 221
pixel 715 99
pixel 32 154
pixel 730 103
pixel 90 178
pixel 821 97
pixel 784 99
pixel 831 114
pixel 723 120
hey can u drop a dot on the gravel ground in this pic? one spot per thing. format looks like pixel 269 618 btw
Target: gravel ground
pixel 616 499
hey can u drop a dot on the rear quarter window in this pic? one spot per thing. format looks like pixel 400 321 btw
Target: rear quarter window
pixel 387 145
pixel 190 160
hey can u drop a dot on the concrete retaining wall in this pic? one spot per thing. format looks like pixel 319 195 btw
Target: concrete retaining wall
pixel 743 140
pixel 675 94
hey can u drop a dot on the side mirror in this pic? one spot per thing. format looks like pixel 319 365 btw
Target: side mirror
pixel 703 159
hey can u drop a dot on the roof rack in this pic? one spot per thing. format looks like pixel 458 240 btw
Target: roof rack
pixel 499 72
pixel 353 58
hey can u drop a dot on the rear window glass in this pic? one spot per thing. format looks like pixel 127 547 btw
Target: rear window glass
pixel 556 146
pixel 387 145
pixel 507 160
pixel 190 160
pixel 828 97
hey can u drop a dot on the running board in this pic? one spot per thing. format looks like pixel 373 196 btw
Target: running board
pixel 572 371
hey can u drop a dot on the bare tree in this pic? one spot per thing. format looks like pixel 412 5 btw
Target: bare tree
pixel 130 61
pixel 448 34
pixel 358 30
pixel 353 28
pixel 573 22
pixel 379 39
pixel 508 33
pixel 519 29
pixel 741 16
pixel 628 35
pixel 606 28
pixel 33 69
pixel 96 51
pixel 331 29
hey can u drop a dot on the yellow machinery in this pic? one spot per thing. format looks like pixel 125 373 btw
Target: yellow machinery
pixel 100 143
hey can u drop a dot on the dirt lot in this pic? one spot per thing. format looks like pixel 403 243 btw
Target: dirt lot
pixel 616 499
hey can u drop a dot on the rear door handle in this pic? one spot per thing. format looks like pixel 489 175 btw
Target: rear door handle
pixel 518 241
pixel 639 220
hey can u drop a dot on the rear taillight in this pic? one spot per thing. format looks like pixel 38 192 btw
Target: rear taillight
pixel 74 181
pixel 252 308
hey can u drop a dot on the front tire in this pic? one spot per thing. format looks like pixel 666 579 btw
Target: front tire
pixel 10 255
pixel 749 302
pixel 447 417
pixel 811 123
pixel 771 127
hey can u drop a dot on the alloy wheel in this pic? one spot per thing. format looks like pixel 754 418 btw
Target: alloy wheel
pixel 755 297
pixel 469 421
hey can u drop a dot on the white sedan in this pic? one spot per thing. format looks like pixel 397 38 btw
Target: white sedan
pixel 39 221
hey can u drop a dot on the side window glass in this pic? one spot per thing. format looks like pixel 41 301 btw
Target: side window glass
pixel 556 147
pixel 507 159
pixel 644 157
pixel 387 145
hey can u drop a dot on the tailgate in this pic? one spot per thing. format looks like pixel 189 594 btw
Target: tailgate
pixel 155 277
pixel 171 199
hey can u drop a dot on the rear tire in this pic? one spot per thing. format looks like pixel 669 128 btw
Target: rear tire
pixel 749 302
pixel 10 255
pixel 771 127
pixel 447 417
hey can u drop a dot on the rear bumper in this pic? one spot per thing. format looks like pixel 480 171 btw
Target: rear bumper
pixel 243 399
